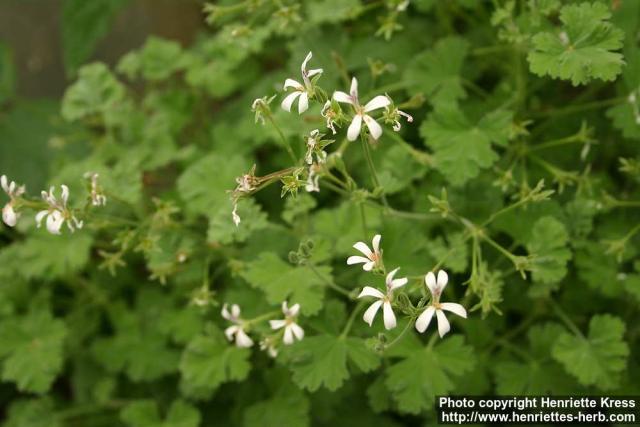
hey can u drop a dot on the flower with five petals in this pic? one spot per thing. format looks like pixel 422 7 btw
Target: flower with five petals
pixel 236 331
pixel 371 258
pixel 303 91
pixel 436 286
pixel 384 300
pixel 291 329
pixel 361 115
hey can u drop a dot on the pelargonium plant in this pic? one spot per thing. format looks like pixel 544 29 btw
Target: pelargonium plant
pixel 325 212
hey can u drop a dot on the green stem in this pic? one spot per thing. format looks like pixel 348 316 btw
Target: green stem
pixel 400 336
pixel 372 169
pixel 285 142
pixel 329 283
pixel 565 319
pixel 594 105
pixel 352 317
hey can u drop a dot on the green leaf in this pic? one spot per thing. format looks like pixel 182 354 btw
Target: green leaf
pixel 289 409
pixel 281 281
pixel 96 92
pixel 548 245
pixel 461 147
pixel 454 252
pixel 209 361
pixel 436 72
pixel 598 270
pixel 32 348
pixel 203 186
pixel 32 413
pixel 583 50
pixel 84 24
pixel 321 361
pixel 157 60
pixel 331 11
pixel 223 230
pixel 69 253
pixel 598 359
pixel 538 375
pixel 415 381
pixel 137 348
pixel 144 413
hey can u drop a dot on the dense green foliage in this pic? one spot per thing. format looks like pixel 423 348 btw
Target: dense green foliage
pixel 519 174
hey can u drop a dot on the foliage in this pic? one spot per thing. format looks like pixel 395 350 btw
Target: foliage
pixel 198 204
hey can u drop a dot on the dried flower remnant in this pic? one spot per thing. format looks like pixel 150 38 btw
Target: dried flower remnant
pixel 98 198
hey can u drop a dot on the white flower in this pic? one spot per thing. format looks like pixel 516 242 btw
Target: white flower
pixel 97 197
pixel 236 331
pixel 312 147
pixel 371 258
pixel 436 287
pixel 301 91
pixel 57 213
pixel 330 116
pixel 291 329
pixel 377 102
pixel 269 346
pixel 9 215
pixel 384 300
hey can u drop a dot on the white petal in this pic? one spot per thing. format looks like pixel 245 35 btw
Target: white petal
pixel 356 259
pixel 374 127
pixel 293 84
pixel 235 311
pixel 277 324
pixel 65 194
pixel 39 216
pixel 368 291
pixel 422 323
pixel 303 104
pixel 315 71
pixel 362 247
pixel 231 331
pixel 298 332
pixel 243 340
pixel 443 279
pixel 342 97
pixel 288 335
pixel 286 102
pixel 3 183
pixel 225 312
pixel 379 101
pixel 430 281
pixel 369 266
pixel 354 128
pixel 443 323
pixel 370 314
pixel 389 316
pixel 54 222
pixel 454 308
pixel 294 310
pixel 354 88
pixel 303 67
pixel 376 243
pixel 9 216
pixel 398 283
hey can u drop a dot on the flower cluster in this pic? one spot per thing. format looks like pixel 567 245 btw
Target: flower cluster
pixel 288 330
pixel 10 213
pixel 372 261
pixel 53 210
